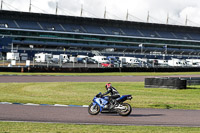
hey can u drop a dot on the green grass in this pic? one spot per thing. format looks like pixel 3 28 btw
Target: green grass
pixel 107 74
pixel 83 93
pixel 14 127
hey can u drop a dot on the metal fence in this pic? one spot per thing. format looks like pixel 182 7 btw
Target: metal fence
pixel 32 63
pixel 27 63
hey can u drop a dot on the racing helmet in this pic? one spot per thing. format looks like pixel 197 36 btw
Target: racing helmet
pixel 108 85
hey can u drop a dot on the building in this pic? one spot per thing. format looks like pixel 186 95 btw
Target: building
pixel 34 32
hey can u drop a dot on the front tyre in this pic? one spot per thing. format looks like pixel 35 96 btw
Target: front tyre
pixel 93 109
pixel 126 111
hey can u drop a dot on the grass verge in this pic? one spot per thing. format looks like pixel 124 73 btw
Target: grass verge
pixel 21 127
pixel 83 93
pixel 106 73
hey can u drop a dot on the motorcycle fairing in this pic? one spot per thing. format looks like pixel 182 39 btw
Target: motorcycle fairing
pixel 101 102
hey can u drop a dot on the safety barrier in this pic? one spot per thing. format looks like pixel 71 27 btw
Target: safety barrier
pixel 172 83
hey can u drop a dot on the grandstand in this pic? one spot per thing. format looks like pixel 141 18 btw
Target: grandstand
pixel 34 32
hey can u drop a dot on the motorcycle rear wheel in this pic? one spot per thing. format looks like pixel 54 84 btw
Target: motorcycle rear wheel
pixel 127 111
pixel 93 109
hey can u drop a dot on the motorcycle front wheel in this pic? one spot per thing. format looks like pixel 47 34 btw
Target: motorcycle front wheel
pixel 126 111
pixel 93 109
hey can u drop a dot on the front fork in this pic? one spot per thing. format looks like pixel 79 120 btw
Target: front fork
pixel 97 104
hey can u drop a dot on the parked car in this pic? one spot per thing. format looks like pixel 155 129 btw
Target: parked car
pixel 106 64
pixel 91 61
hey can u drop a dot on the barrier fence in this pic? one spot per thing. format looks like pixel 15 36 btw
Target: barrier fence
pixel 32 63
pixel 171 82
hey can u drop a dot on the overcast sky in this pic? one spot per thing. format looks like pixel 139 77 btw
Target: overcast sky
pixel 117 9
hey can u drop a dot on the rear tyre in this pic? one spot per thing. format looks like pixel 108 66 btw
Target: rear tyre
pixel 93 109
pixel 126 111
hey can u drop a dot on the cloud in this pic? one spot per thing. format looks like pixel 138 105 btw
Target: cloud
pixel 117 9
pixel 191 13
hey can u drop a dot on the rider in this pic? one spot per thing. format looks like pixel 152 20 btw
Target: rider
pixel 114 94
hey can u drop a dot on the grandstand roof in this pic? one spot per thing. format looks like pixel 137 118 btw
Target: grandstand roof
pixel 15 15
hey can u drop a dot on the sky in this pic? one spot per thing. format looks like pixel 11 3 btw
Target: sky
pixel 138 10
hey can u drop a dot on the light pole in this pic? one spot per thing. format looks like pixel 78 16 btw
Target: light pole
pixel 165 49
pixel 141 46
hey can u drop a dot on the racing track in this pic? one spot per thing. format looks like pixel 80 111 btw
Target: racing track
pixel 7 79
pixel 79 115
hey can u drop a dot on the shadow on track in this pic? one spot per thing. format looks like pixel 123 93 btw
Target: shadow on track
pixel 144 115
pixel 131 115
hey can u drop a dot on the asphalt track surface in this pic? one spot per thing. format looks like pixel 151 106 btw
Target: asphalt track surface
pixel 79 115
pixel 7 79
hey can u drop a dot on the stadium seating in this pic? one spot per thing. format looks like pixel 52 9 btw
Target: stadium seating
pixel 153 49
pixel 95 29
pixel 181 35
pixel 132 32
pixel 112 30
pixel 165 34
pixel 148 33
pixel 194 36
pixel 50 26
pixel 9 23
pixel 73 28
pixel 28 25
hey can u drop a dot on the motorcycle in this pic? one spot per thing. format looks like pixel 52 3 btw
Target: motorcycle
pixel 101 103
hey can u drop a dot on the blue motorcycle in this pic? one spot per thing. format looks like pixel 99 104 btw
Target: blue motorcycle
pixel 101 103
